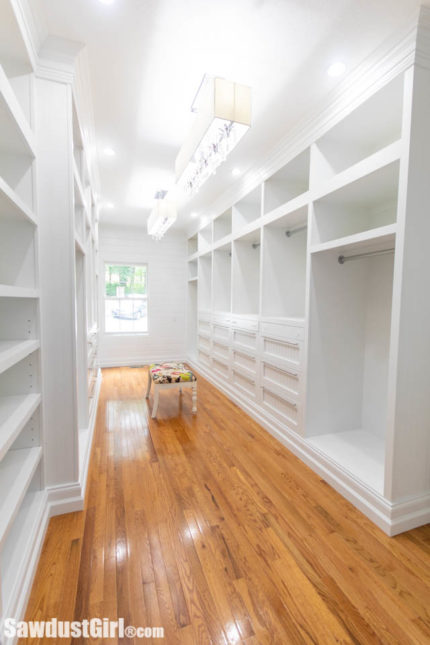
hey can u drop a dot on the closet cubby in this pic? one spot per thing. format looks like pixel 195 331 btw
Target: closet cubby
pixel 284 266
pixel 223 226
pixel 247 210
pixel 364 205
pixel 192 318
pixel 246 273
pixel 205 281
pixel 287 183
pixel 192 270
pixel 17 253
pixel 204 240
pixel 192 245
pixel 222 278
pixel 372 126
pixel 350 322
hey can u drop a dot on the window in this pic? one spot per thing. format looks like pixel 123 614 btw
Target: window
pixel 126 298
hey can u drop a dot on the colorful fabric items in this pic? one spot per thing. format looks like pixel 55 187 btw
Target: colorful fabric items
pixel 170 373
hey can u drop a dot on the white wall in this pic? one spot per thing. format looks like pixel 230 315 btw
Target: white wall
pixel 167 296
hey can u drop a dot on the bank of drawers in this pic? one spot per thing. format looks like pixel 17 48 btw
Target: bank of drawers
pixel 261 359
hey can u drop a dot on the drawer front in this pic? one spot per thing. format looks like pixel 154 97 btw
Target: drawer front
pixel 284 380
pixel 204 343
pixel 250 324
pixel 204 326
pixel 222 351
pixel 223 319
pixel 279 350
pixel 204 358
pixel 284 409
pixel 282 331
pixel 245 362
pixel 221 333
pixel 244 339
pixel 245 385
pixel 221 368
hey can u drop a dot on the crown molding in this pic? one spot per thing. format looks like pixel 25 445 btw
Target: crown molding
pixel 395 55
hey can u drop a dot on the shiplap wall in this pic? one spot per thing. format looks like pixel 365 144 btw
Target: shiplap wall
pixel 167 282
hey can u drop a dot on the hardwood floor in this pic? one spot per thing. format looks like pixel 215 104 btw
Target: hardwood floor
pixel 210 528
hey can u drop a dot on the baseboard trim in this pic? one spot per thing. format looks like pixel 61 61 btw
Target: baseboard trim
pixel 133 361
pixel 391 517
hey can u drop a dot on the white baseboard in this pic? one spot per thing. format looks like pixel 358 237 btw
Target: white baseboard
pixel 391 517
pixel 136 361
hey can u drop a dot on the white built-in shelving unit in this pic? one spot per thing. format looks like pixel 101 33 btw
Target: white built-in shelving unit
pixel 22 495
pixel 313 304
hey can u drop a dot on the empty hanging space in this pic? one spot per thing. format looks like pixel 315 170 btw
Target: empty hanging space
pixel 205 281
pixel 284 266
pixel 192 270
pixel 367 207
pixel 287 183
pixel 246 274
pixel 372 127
pixel 350 322
pixel 192 318
pixel 247 210
pixel 223 226
pixel 222 279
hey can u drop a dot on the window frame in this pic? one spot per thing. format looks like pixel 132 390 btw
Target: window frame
pixel 105 297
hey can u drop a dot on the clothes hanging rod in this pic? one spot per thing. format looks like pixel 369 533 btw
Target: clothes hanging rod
pixel 255 245
pixel 342 258
pixel 291 232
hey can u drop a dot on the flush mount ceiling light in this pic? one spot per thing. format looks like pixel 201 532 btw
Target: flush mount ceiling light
pixel 223 116
pixel 336 69
pixel 163 215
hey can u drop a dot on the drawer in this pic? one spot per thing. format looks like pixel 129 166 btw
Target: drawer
pixel 282 331
pixel 221 333
pixel 204 326
pixel 247 323
pixel 246 362
pixel 204 358
pixel 223 319
pixel 245 385
pixel 282 351
pixel 221 368
pixel 284 409
pixel 221 351
pixel 284 380
pixel 245 340
pixel 204 343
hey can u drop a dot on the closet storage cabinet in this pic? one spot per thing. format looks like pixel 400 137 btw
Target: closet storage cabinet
pixel 22 495
pixel 313 306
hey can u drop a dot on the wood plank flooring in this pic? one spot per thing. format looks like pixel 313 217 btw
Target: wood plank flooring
pixel 210 528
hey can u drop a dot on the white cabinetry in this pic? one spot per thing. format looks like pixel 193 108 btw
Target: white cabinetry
pixel 326 337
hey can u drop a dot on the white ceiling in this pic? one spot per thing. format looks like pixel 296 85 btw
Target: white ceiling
pixel 147 58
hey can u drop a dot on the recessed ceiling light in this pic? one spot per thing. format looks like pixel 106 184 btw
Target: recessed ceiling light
pixel 109 152
pixel 336 69
pixel 235 172
pixel 193 214
pixel 107 205
pixel 107 1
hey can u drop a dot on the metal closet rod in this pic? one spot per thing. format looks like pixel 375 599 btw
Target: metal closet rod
pixel 342 258
pixel 291 232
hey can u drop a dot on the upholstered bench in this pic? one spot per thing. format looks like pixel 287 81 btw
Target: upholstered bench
pixel 170 375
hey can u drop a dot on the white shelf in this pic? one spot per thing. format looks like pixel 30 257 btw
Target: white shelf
pixel 193 279
pixel 360 453
pixel 15 411
pixel 11 205
pixel 377 239
pixel 294 207
pixel 16 472
pixel 7 291
pixel 20 542
pixel 13 351
pixel 17 136
pixel 79 245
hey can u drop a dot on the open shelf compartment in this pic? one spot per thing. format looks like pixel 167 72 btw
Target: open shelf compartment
pixel 222 278
pixel 372 126
pixel 223 226
pixel 287 183
pixel 284 266
pixel 246 273
pixel 246 210
pixel 205 281
pixel 348 358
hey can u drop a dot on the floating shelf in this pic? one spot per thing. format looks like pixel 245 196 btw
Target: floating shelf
pixel 11 205
pixel 13 351
pixel 360 453
pixel 17 136
pixel 16 472
pixel 7 291
pixel 15 411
